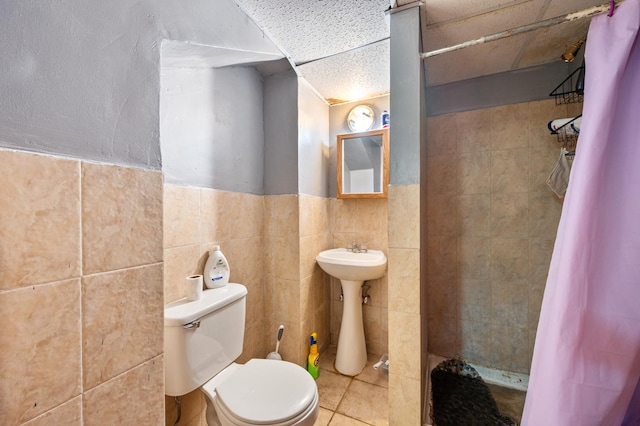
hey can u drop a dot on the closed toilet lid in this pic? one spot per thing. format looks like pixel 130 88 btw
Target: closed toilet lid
pixel 267 391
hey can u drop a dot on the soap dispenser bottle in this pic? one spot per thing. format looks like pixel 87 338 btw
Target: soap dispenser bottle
pixel 314 356
pixel 216 270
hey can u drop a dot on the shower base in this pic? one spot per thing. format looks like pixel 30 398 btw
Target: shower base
pixel 504 385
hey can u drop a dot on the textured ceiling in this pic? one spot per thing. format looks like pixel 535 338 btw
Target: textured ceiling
pixel 356 74
pixel 341 46
pixel 312 29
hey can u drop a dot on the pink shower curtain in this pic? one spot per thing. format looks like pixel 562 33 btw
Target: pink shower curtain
pixel 586 361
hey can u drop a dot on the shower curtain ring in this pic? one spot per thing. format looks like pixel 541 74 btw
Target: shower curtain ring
pixel 612 7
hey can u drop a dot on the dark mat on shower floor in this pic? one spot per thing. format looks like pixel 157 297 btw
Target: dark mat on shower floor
pixel 460 397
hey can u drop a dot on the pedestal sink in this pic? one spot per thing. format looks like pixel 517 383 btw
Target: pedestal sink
pixel 352 269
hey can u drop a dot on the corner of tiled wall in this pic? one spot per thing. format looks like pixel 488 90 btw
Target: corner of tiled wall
pixel 314 284
pixel 404 304
pixel 81 247
pixel 282 274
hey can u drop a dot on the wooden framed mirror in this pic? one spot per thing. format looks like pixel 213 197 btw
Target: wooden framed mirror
pixel 363 164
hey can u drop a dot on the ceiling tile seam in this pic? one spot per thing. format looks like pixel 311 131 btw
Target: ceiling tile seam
pixel 527 40
pixel 480 13
pixel 353 49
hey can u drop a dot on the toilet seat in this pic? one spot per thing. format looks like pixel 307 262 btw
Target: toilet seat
pixel 266 392
pixel 308 416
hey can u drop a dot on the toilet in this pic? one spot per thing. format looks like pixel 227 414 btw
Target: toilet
pixel 203 338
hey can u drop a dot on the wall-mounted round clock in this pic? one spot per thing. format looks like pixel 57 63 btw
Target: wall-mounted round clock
pixel 361 118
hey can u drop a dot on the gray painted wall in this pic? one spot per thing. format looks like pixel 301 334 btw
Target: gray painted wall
pixel 525 85
pixel 82 78
pixel 313 142
pixel 211 128
pixel 511 87
pixel 404 166
pixel 281 134
pixel 338 125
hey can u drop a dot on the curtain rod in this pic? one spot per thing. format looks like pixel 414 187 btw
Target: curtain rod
pixel 586 13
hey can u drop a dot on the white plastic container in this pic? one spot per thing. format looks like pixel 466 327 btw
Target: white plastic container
pixel 386 119
pixel 216 270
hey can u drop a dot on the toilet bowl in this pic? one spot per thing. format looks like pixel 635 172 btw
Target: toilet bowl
pixel 262 392
pixel 202 340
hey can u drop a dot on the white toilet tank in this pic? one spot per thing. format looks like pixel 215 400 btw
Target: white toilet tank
pixel 202 337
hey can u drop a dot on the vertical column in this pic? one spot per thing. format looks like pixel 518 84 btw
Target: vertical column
pixel 404 220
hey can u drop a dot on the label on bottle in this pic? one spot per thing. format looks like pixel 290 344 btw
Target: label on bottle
pixel 386 119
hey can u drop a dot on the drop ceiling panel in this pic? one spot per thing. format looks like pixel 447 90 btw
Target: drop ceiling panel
pixel 353 75
pixel 311 29
pixel 439 36
pixel 475 61
pixel 439 11
pixel 563 7
pixel 548 44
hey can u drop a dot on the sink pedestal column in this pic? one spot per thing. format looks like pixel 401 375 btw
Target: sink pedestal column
pixel 351 354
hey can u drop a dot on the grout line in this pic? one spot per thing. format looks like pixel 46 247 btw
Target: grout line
pixel 343 396
pixel 81 280
pixel 126 268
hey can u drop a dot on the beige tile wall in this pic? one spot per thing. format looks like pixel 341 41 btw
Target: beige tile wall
pixel 315 287
pixel 491 222
pixel 404 305
pixel 80 247
pixel 195 219
pixel 296 290
pixel 282 280
pixel 362 220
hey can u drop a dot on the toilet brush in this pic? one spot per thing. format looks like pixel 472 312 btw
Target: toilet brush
pixel 276 355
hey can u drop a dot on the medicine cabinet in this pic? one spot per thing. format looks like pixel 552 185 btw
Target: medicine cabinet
pixel 363 164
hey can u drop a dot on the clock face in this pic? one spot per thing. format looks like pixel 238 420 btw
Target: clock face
pixel 361 118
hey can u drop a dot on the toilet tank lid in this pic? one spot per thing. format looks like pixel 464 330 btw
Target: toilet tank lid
pixel 183 311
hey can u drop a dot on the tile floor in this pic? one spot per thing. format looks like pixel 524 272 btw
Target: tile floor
pixel 352 401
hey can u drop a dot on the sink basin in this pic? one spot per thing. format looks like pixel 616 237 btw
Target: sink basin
pixel 346 265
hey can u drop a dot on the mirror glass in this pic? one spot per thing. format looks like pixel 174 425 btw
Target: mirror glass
pixel 363 164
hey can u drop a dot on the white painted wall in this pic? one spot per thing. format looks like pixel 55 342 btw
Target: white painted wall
pixel 313 142
pixel 361 181
pixel 81 78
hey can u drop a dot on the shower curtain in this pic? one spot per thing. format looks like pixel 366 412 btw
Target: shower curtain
pixel 586 360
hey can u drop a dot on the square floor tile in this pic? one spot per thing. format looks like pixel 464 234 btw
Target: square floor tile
pixel 331 388
pixel 324 417
pixel 340 420
pixel 366 402
pixel 378 377
pixel 328 359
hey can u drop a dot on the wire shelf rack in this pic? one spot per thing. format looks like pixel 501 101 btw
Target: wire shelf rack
pixel 571 90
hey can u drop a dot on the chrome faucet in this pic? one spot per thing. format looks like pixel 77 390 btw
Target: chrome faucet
pixel 352 246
